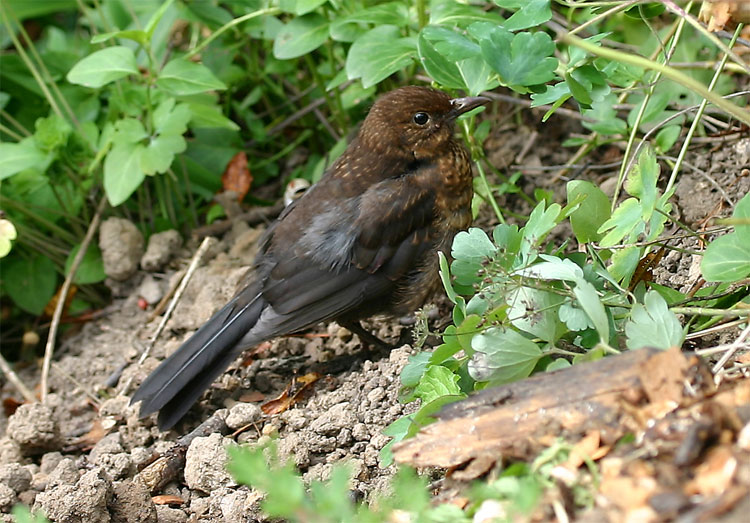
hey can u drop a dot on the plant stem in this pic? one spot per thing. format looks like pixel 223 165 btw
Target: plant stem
pixel 261 12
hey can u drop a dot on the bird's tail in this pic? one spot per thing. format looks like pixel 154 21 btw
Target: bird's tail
pixel 180 380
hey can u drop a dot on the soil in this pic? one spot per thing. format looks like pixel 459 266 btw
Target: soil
pixel 78 455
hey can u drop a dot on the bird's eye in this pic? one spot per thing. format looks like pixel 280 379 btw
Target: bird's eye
pixel 421 118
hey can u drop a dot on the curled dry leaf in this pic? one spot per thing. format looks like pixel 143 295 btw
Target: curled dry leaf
pixel 167 499
pixel 714 475
pixel 291 394
pixel 237 176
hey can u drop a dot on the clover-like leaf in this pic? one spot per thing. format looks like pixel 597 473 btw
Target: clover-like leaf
pixel 521 60
pixel 653 325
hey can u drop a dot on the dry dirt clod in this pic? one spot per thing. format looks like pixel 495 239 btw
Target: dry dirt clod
pixel 121 244
pixel 205 463
pixel 131 503
pixel 15 476
pixel 34 428
pixel 161 247
pixel 84 502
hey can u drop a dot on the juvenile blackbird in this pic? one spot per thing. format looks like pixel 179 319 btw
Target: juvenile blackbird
pixel 362 241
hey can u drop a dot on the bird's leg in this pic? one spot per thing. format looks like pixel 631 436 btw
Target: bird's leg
pixel 365 336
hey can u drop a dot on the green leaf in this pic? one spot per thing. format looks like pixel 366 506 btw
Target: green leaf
pixel 727 258
pixel 156 18
pixel 653 325
pixel 536 312
pixel 467 330
pixel 122 172
pixel 667 137
pixel 181 77
pixel 530 14
pixel 131 34
pixel 158 155
pixel 591 213
pixel 574 318
pixel 17 157
pixel 51 132
pixel 642 182
pixel 442 70
pixel 91 269
pixel 128 130
pixel 521 60
pixel 742 210
pixel 103 67
pixel 301 36
pixel 470 248
pixel 347 29
pixel 208 116
pixel 591 303
pixel 437 381
pixel 625 222
pixel 502 356
pixel 169 119
pixel 302 7
pixel 378 54
pixel 30 283
pixel 414 369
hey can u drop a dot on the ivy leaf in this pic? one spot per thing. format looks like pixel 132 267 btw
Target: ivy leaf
pixel 521 60
pixel 181 77
pixel 379 53
pixel 102 67
pixel 502 356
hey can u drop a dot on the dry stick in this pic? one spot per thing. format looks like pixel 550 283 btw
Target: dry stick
pixel 197 257
pixel 732 349
pixel 61 299
pixel 15 380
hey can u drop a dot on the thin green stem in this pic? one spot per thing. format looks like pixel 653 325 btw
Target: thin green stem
pixel 221 30
pixel 17 137
pixel 699 113
pixel 641 111
pixel 705 311
pixel 15 123
pixel 25 58
pixel 741 114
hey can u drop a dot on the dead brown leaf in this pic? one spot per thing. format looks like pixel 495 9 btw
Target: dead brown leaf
pixel 237 176
pixel 645 269
pixel 291 394
pixel 167 499
pixel 584 449
pixel 49 309
pixel 714 475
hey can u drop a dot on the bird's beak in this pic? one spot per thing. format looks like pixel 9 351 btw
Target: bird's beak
pixel 464 105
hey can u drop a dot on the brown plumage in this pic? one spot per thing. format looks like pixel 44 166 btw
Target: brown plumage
pixel 361 241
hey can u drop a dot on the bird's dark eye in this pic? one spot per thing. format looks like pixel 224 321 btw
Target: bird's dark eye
pixel 421 118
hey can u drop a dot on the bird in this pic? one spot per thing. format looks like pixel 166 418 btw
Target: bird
pixel 360 242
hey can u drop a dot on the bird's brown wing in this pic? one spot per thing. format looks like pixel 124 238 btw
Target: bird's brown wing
pixel 390 234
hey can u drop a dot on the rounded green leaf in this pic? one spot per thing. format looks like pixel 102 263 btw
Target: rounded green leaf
pixel 727 258
pixel 591 213
pixel 30 283
pixel 122 172
pixel 502 356
pixel 91 269
pixel 103 67
pixel 181 78
pixel 301 36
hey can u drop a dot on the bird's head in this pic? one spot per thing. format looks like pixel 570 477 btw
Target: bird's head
pixel 414 122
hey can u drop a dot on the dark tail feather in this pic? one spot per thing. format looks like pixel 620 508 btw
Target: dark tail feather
pixel 181 379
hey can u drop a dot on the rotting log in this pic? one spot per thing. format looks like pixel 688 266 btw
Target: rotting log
pixel 506 418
